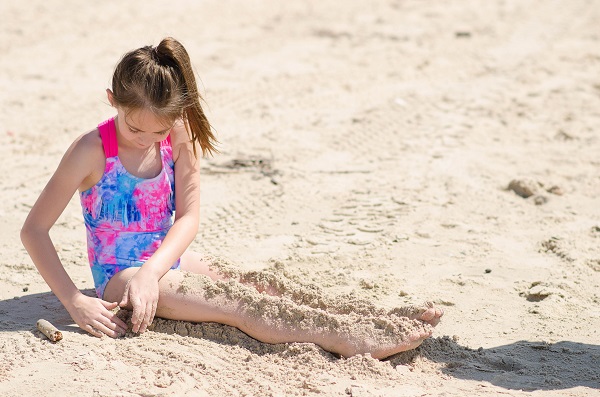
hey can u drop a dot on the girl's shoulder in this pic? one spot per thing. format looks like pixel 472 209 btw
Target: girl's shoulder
pixel 87 153
pixel 180 139
pixel 89 144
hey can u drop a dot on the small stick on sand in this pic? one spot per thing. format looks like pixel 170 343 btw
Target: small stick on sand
pixel 49 330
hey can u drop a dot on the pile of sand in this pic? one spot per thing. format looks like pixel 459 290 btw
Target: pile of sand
pixel 373 156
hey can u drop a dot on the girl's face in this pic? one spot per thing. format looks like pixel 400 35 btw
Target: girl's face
pixel 140 129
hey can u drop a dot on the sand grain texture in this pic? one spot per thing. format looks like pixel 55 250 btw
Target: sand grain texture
pixel 367 153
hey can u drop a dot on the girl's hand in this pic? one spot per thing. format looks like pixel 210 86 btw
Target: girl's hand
pixel 141 294
pixel 94 316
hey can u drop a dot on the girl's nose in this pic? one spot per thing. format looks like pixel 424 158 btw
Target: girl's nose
pixel 147 139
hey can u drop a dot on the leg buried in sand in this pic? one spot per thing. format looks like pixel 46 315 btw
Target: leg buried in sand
pixel 205 291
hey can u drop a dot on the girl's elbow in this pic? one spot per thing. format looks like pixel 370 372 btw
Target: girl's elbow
pixel 191 219
pixel 25 233
pixel 194 225
pixel 28 232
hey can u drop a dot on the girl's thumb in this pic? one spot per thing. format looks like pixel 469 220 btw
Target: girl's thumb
pixel 110 305
pixel 125 299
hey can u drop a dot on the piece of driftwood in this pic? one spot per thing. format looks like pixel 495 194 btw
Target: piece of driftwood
pixel 49 330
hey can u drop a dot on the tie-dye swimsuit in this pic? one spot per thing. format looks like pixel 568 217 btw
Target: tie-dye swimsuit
pixel 126 217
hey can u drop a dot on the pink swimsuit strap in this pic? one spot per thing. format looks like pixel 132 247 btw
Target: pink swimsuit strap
pixel 108 134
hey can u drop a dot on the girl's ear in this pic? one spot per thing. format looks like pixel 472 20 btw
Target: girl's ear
pixel 109 94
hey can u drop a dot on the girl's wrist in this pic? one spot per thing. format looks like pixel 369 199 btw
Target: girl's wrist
pixel 70 301
pixel 154 272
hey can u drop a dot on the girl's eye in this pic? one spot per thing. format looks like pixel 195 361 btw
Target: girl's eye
pixel 162 132
pixel 133 131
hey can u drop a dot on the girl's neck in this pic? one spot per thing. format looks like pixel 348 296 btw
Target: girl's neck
pixel 144 163
pixel 140 162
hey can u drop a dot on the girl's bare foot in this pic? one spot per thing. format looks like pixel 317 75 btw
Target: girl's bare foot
pixel 399 335
pixel 427 313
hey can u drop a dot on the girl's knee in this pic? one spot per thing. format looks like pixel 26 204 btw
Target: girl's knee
pixel 194 262
pixel 116 285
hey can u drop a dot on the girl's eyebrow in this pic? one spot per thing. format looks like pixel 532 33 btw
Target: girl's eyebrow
pixel 137 129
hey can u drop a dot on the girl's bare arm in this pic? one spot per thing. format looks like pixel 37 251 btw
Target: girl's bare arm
pixel 76 166
pixel 187 196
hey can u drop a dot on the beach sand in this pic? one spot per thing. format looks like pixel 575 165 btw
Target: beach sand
pixel 367 149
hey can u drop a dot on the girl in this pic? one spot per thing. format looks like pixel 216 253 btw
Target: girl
pixel 133 173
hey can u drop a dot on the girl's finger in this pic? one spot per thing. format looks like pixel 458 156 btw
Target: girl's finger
pixel 90 329
pixel 138 315
pixel 154 306
pixel 107 330
pixel 118 329
pixel 113 316
pixel 117 321
pixel 147 317
pixel 103 329
pixel 125 298
pixel 109 305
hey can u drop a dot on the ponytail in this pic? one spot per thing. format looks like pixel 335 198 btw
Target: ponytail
pixel 196 122
pixel 161 78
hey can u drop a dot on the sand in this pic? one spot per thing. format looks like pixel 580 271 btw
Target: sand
pixel 373 155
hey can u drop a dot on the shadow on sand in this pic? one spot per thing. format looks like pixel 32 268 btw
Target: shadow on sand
pixel 22 313
pixel 522 365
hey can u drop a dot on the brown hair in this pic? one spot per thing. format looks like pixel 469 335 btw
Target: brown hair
pixel 161 79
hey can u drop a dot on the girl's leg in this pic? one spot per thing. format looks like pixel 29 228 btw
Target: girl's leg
pixel 302 294
pixel 273 319
pixel 217 269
